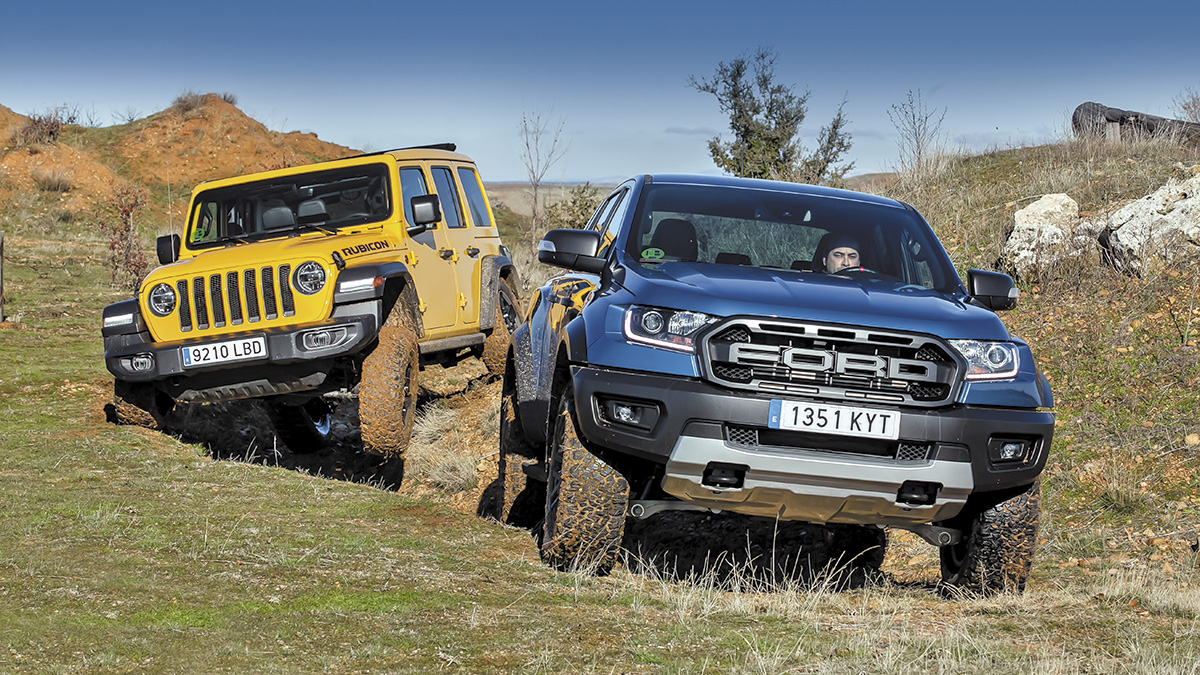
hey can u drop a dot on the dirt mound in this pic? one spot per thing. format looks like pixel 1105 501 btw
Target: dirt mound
pixel 82 181
pixel 203 138
pixel 9 122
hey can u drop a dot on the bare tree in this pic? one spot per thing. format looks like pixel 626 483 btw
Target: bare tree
pixel 1187 105
pixel 542 147
pixel 127 115
pixel 919 132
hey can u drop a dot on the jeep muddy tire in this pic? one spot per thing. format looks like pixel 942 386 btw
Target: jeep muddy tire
pixel 996 551
pixel 507 317
pixel 138 404
pixel 304 428
pixel 387 395
pixel 586 500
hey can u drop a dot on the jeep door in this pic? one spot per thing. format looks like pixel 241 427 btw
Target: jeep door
pixel 461 249
pixel 431 272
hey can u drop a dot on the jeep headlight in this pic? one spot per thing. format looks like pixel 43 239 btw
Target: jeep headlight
pixel 667 328
pixel 161 300
pixel 309 277
pixel 988 360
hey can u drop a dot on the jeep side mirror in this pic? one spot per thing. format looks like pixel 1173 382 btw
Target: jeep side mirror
pixel 572 249
pixel 168 248
pixel 993 290
pixel 426 210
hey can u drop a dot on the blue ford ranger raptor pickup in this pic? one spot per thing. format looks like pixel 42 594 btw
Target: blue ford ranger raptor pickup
pixel 775 350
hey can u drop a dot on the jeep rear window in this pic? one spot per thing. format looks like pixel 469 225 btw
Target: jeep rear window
pixel 325 200
pixel 782 230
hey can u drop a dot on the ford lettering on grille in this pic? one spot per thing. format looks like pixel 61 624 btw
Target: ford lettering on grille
pixel 855 364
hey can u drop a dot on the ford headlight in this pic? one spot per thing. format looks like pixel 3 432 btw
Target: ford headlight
pixel 309 277
pixel 988 360
pixel 667 328
pixel 161 300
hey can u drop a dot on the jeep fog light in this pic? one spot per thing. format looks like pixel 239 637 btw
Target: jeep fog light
pixel 323 338
pixel 142 362
pixel 667 328
pixel 161 300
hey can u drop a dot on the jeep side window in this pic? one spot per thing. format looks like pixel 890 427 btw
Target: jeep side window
pixel 443 180
pixel 475 200
pixel 412 184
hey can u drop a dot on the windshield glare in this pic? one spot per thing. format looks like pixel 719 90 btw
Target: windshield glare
pixel 322 199
pixel 786 231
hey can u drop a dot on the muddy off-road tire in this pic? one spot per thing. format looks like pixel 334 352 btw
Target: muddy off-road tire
pixel 139 404
pixel 387 395
pixel 520 499
pixel 996 552
pixel 586 500
pixel 856 552
pixel 508 317
pixel 304 428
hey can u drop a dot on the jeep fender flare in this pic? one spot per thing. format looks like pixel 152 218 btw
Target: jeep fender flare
pixel 352 286
pixel 491 269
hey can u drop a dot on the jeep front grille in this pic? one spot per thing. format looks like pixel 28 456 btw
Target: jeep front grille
pixel 850 364
pixel 230 300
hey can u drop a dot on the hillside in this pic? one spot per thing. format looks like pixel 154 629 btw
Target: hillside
pixel 198 138
pixel 210 548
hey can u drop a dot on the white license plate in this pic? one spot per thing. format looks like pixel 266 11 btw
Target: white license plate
pixel 834 419
pixel 223 352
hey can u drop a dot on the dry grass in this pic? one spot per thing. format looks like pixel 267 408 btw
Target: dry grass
pixel 52 180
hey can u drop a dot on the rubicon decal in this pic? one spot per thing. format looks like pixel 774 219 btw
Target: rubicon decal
pixel 364 248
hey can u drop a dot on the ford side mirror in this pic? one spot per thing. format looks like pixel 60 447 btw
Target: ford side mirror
pixel 993 290
pixel 168 248
pixel 572 249
pixel 426 210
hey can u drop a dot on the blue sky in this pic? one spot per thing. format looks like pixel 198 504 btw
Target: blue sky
pixel 376 75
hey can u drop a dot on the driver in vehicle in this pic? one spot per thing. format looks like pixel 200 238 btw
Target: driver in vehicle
pixel 842 254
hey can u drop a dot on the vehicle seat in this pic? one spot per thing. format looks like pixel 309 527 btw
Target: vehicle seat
pixel 802 266
pixel 312 211
pixel 277 217
pixel 677 238
pixel 724 258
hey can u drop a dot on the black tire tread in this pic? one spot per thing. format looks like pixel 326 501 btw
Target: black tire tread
pixel 999 544
pixel 586 502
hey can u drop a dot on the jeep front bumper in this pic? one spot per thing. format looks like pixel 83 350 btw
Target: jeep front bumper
pixel 719 453
pixel 294 359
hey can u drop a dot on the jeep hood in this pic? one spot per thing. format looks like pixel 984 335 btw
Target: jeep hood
pixel 727 290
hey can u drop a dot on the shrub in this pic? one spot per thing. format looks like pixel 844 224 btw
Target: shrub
pixel 229 98
pixel 44 127
pixel 187 102
pixel 52 180
pixel 126 261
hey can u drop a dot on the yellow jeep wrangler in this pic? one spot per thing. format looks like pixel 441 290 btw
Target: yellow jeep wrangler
pixel 302 285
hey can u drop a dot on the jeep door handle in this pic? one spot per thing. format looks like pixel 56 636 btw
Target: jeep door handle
pixel 472 251
pixel 446 253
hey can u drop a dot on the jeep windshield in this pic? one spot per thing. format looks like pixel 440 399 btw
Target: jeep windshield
pixel 321 200
pixel 787 231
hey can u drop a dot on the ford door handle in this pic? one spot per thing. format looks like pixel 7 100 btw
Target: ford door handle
pixel 446 253
pixel 472 251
